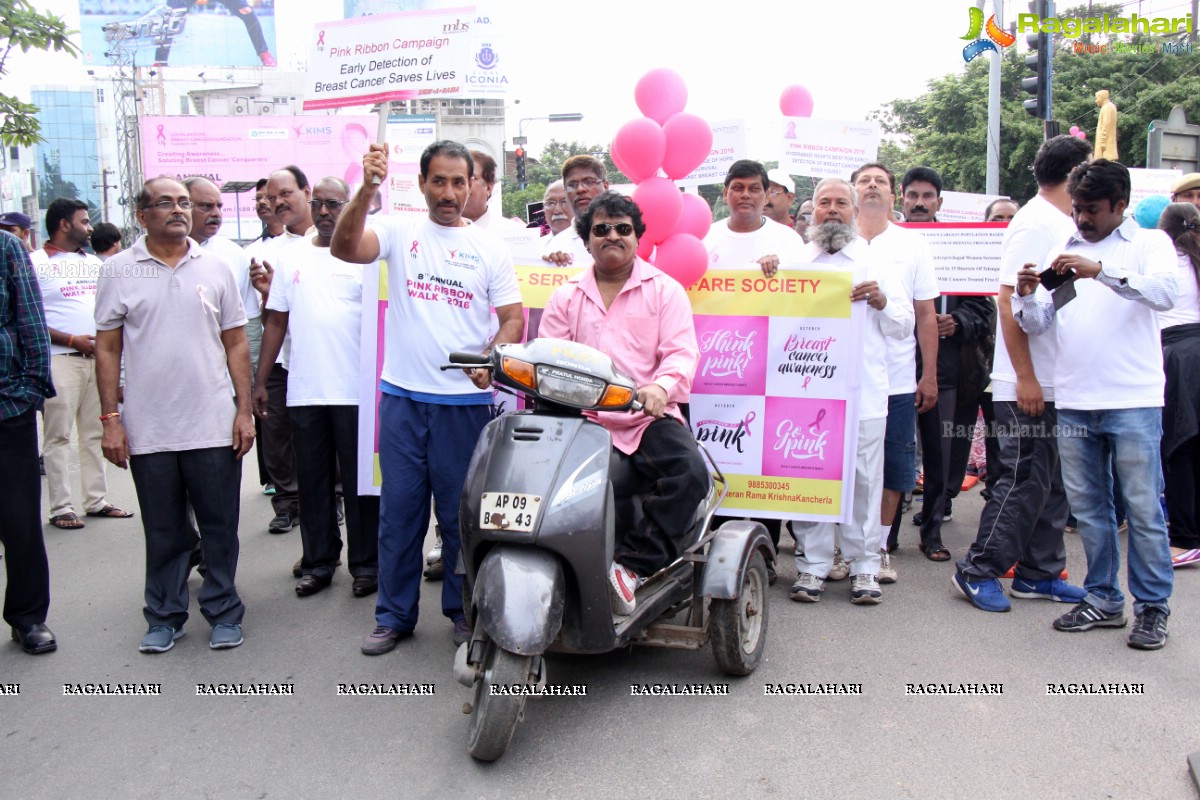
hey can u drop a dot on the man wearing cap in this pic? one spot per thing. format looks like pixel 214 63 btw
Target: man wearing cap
pixel 1187 189
pixel 781 193
pixel 18 225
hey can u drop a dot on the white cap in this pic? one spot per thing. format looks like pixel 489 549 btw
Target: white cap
pixel 782 178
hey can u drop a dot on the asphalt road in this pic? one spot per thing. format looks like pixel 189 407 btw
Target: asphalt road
pixel 881 743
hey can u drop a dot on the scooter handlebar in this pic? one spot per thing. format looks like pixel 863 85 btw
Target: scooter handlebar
pixel 468 361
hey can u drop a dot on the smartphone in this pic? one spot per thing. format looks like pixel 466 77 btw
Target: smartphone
pixel 1052 280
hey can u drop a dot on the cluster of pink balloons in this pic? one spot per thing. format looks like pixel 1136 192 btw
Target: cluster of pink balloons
pixel 1078 132
pixel 670 141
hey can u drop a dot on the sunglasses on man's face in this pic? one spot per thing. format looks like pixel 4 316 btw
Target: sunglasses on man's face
pixel 601 229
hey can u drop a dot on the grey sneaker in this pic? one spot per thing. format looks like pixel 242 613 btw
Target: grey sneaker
pixel 887 573
pixel 159 639
pixel 864 590
pixel 1085 616
pixel 840 569
pixel 807 588
pixel 1149 630
pixel 225 635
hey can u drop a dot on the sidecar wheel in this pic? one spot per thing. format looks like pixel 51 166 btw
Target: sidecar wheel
pixel 739 627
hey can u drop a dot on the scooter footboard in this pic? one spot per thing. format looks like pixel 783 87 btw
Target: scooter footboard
pixel 519 598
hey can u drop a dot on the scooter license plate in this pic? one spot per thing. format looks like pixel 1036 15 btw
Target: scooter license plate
pixel 508 511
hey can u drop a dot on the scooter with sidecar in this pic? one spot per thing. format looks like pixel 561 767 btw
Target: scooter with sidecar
pixel 544 496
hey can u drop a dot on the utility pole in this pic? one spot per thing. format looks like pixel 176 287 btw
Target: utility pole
pixel 104 186
pixel 992 179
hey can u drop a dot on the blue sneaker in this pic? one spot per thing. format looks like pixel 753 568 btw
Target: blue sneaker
pixel 1057 590
pixel 225 635
pixel 986 595
pixel 159 639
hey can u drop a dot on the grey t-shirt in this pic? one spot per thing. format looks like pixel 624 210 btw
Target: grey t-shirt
pixel 176 380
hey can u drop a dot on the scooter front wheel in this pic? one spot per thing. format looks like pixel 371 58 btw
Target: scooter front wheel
pixel 739 626
pixel 494 717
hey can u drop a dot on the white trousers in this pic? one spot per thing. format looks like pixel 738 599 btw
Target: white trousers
pixel 815 541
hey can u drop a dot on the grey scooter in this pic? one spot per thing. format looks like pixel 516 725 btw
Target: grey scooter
pixel 545 493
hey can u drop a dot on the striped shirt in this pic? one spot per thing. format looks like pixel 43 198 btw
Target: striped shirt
pixel 24 337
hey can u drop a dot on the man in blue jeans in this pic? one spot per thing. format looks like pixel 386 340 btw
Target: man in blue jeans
pixel 1108 383
pixel 1026 511
pixel 444 277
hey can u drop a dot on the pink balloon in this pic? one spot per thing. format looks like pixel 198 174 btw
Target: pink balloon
pixel 1081 135
pixel 689 141
pixel 659 94
pixel 661 204
pixel 617 159
pixel 796 101
pixel 1074 129
pixel 640 145
pixel 696 217
pixel 645 248
pixel 683 257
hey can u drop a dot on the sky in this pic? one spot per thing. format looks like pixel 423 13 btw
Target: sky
pixel 736 59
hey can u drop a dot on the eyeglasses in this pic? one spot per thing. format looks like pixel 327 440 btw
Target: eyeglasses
pixel 554 203
pixel 207 207
pixel 168 205
pixel 590 183
pixel 776 192
pixel 332 205
pixel 751 188
pixel 601 229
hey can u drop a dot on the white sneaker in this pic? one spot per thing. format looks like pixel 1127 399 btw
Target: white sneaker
pixel 864 590
pixel 840 569
pixel 623 583
pixel 435 553
pixel 887 573
pixel 807 588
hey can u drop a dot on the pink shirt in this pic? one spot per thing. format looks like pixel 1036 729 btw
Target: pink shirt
pixel 647 332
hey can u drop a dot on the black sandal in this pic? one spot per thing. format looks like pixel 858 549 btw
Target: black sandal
pixel 938 553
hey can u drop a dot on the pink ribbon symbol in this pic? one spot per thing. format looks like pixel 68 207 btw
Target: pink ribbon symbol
pixel 746 423
pixel 321 39
pixel 816 423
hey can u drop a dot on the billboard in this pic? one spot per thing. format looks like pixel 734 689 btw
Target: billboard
pixel 226 149
pixel 180 33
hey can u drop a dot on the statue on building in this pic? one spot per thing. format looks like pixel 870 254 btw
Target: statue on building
pixel 1106 127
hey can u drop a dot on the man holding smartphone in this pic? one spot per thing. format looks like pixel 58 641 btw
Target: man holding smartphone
pixel 1108 382
pixel 1026 510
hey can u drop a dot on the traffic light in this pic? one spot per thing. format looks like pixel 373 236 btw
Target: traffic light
pixel 519 153
pixel 1040 61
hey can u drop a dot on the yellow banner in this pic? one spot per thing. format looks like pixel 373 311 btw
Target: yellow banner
pixel 797 495
pixel 789 293
pixel 539 281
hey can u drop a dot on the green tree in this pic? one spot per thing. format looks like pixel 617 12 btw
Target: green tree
pixel 23 27
pixel 946 127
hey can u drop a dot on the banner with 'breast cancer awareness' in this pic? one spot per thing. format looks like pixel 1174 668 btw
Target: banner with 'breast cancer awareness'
pixel 775 395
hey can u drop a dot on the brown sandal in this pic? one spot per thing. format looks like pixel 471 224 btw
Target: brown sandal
pixel 67 522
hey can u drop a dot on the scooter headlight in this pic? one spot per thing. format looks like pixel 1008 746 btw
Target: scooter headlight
pixel 569 388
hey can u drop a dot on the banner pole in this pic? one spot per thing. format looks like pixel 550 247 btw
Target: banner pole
pixel 381 131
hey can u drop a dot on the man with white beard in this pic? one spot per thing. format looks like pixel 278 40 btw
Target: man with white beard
pixel 835 242
pixel 556 208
